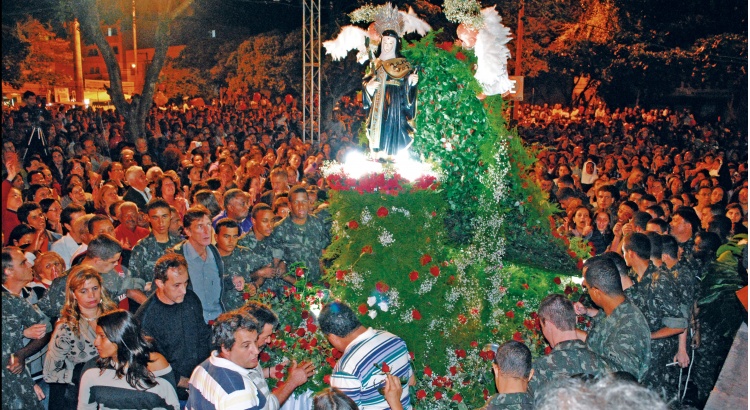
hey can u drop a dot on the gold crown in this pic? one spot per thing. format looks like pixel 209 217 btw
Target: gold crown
pixel 387 17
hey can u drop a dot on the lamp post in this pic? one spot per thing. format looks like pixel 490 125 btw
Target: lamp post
pixel 135 54
pixel 519 51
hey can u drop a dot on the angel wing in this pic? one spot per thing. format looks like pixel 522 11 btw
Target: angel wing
pixel 492 54
pixel 412 23
pixel 350 38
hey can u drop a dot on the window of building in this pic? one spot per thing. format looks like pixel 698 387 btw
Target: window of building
pixel 116 50
pixel 111 31
pixel 93 52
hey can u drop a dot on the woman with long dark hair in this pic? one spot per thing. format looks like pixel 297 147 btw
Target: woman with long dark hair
pixel 130 373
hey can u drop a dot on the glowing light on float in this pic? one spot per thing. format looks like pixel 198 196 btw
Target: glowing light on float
pixel 357 165
pixel 409 168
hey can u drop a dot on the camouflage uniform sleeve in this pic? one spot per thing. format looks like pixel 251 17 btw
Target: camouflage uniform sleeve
pixel 632 346
pixel 666 300
pixel 52 302
pixel 137 261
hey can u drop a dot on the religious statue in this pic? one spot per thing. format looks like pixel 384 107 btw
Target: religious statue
pixel 390 87
pixel 390 95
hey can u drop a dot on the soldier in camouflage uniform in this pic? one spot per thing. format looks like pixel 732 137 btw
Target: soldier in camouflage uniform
pixel 512 368
pixel 267 271
pixel 683 226
pixel 149 249
pixel 661 306
pixel 301 237
pixel 569 354
pixel 621 335
pixel 235 264
pixel 19 317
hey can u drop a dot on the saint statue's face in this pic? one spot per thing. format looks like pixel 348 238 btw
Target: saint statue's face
pixel 387 45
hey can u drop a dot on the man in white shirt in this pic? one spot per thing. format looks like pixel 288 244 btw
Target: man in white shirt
pixel 68 244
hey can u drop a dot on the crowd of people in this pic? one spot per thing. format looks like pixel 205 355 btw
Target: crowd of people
pixel 106 241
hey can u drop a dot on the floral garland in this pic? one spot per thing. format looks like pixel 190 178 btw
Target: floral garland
pixel 464 11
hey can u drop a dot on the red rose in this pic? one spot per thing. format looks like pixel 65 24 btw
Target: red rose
pixel 367 249
pixel 438 395
pixel 413 275
pixel 435 271
pixel 547 350
pixel 427 371
pixel 340 274
pixel 510 314
pixel 486 394
pixel 462 319
pixel 421 394
pixel 457 398
pixel 336 353
pixel 382 287
pixel 461 56
pixel 528 324
pixel 425 259
pixel 299 272
pixel 525 286
pixel 474 343
pixel 327 379
pixel 279 375
pixel 305 314
pixel 557 280
pixel 519 303
pixel 382 212
pixel 490 355
pixel 529 199
pixel 568 290
pixel 300 332
pixel 385 368
pixel 353 224
pixel 331 361
pixel 362 309
pixel 311 328
pixel 518 337
pixel 245 296
pixel 264 357
pixel 416 315
pixel 461 353
pixel 434 214
pixel 533 315
pixel 579 264
pixel 288 329
pixel 453 370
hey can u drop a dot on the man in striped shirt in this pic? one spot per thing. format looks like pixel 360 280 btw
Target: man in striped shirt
pixel 368 355
pixel 222 381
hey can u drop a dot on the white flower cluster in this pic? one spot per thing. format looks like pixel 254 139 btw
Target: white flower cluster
pixel 434 324
pixel 427 285
pixel 406 317
pixel 354 280
pixel 366 216
pixel 496 291
pixel 386 238
pixel 393 298
pixel 401 210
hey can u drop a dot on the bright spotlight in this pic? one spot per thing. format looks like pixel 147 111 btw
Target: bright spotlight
pixel 356 165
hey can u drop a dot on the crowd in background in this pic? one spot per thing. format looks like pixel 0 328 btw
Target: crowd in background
pixel 653 192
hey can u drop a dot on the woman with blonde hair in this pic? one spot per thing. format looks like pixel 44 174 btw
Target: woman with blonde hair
pixel 47 267
pixel 106 196
pixel 72 343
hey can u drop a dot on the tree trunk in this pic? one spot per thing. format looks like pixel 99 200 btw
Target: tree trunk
pixel 137 109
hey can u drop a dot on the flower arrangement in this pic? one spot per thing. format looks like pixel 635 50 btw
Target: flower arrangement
pixel 298 337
